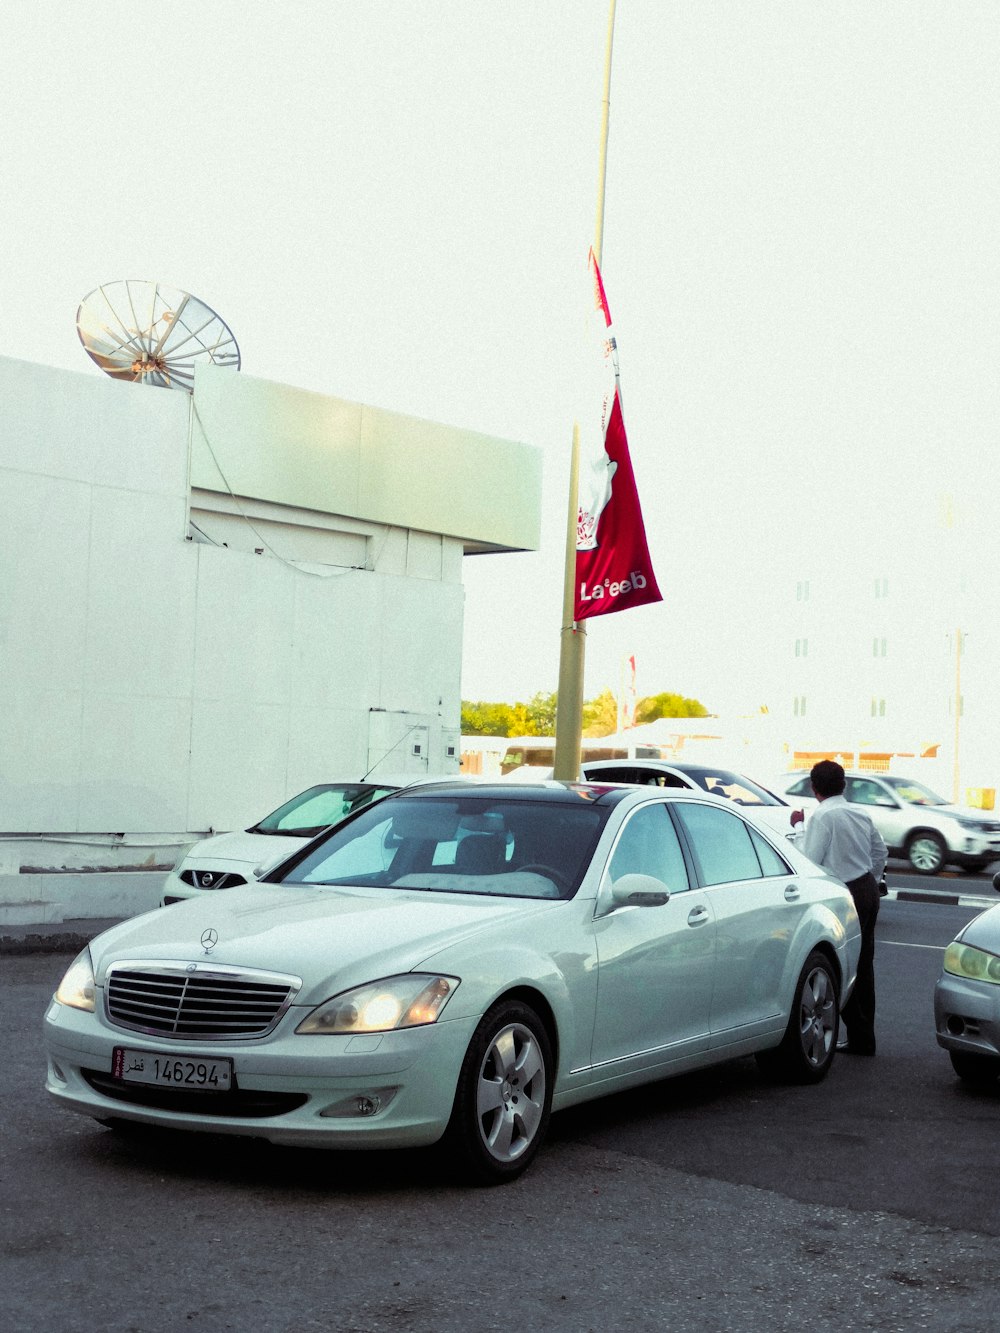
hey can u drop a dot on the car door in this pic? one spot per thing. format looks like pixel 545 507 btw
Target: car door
pixel 758 904
pixel 655 964
pixel 891 819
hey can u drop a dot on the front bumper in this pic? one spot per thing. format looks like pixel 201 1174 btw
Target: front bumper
pixel 975 849
pixel 388 1090
pixel 967 1015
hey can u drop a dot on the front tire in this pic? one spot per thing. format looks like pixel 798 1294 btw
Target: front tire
pixel 810 1041
pixel 504 1097
pixel 981 1070
pixel 925 853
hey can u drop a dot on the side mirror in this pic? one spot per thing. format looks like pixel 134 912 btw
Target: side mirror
pixel 639 891
pixel 996 881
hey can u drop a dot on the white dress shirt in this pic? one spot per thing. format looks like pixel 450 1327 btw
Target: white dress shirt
pixel 841 838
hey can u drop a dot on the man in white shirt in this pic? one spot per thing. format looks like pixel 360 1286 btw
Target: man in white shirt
pixel 841 838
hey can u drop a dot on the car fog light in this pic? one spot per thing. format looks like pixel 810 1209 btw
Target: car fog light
pixel 360 1105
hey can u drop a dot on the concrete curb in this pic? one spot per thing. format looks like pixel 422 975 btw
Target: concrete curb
pixel 67 937
pixel 946 899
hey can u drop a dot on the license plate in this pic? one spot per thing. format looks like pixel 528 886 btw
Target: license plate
pixel 192 1073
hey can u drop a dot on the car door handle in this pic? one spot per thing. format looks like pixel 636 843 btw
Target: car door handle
pixel 792 893
pixel 697 916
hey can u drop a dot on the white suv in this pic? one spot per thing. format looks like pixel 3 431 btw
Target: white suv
pixel 916 824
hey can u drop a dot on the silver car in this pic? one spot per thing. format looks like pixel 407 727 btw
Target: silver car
pixel 967 998
pixel 915 822
pixel 453 963
pixel 775 811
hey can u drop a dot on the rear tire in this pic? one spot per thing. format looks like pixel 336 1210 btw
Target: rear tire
pixel 503 1099
pixel 810 1041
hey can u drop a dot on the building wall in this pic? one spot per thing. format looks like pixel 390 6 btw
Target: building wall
pixel 871 657
pixel 176 661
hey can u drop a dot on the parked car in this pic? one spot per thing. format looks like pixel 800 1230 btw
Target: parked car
pixel 774 810
pixel 916 824
pixel 228 859
pixel 967 998
pixel 452 963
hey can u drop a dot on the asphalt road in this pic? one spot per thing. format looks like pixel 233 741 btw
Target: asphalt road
pixel 708 1202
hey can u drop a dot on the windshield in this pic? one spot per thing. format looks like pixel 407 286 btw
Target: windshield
pixel 913 793
pixel 733 786
pixel 459 844
pixel 317 808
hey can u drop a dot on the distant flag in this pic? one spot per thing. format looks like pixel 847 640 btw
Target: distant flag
pixel 626 708
pixel 613 568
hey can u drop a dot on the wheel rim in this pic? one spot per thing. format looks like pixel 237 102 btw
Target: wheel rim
pixel 510 1098
pixel 925 854
pixel 817 1017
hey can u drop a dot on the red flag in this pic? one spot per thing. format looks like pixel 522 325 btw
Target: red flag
pixel 613 568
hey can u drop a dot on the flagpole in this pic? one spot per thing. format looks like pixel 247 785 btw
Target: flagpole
pixel 573 635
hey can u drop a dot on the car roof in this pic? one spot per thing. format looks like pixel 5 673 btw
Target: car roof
pixel 554 792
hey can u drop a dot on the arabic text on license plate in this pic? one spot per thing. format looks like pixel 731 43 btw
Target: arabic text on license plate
pixel 190 1072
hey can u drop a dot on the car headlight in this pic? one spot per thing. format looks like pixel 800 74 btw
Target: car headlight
pixel 962 960
pixel 409 1001
pixel 76 990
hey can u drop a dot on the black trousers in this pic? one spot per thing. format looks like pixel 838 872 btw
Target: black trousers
pixel 859 1011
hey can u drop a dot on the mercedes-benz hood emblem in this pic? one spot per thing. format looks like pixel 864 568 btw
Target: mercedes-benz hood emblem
pixel 209 939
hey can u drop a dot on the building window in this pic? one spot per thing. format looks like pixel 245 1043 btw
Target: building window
pixel 878 647
pixel 881 587
pixel 799 705
pixel 802 590
pixel 878 707
pixel 801 647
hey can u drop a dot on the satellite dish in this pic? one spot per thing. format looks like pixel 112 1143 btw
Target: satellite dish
pixel 152 334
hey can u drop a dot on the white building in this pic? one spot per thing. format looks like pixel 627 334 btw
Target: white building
pixel 209 602
pixel 891 654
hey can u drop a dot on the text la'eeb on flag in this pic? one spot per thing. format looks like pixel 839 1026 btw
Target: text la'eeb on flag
pixel 613 568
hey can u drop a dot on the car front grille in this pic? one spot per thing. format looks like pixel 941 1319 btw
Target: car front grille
pixel 212 879
pixel 196 1001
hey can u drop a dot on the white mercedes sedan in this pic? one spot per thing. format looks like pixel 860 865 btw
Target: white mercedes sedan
pixel 452 964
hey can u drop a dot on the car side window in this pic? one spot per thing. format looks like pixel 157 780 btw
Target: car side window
pixel 770 862
pixel 862 792
pixel 722 843
pixel 801 788
pixel 642 777
pixel 648 845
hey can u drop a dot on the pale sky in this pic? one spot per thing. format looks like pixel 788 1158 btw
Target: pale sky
pixel 392 202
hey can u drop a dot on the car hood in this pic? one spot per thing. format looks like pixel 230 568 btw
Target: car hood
pixel 330 938
pixel 983 932
pixel 985 817
pixel 241 850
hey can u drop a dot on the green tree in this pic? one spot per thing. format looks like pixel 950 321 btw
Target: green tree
pixel 542 712
pixel 486 719
pixel 600 715
pixel 667 705
pixel 535 718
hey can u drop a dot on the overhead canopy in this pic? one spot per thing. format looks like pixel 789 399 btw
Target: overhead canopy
pixel 290 446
